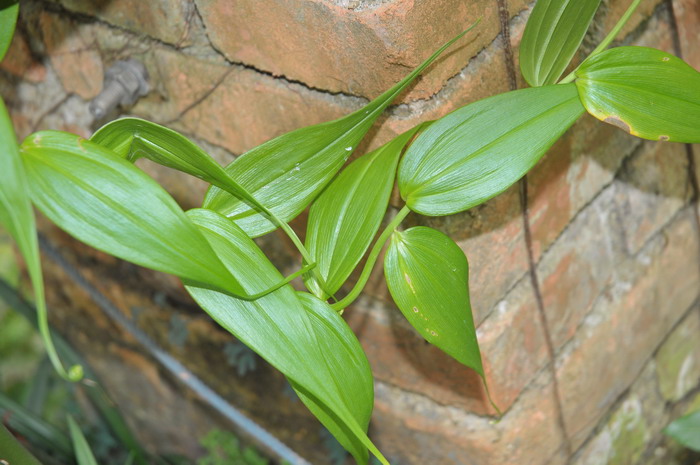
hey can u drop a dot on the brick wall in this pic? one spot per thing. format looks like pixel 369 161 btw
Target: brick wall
pixel 585 275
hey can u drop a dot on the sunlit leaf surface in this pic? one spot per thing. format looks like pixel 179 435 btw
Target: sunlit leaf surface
pixel 288 172
pixel 645 92
pixel 347 215
pixel 296 333
pixel 479 150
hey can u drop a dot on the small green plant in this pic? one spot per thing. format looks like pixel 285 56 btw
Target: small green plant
pixel 92 190
pixel 686 430
pixel 224 448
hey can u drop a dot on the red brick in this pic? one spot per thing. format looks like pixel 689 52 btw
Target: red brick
pixel 572 173
pixel 20 62
pixel 578 267
pixel 412 429
pixel 74 55
pixel 687 15
pixel 653 186
pixel 627 324
pixel 166 20
pixel 360 52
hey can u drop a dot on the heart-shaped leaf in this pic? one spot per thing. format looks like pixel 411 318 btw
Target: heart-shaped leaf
pixel 646 92
pixel 108 203
pixel 553 33
pixel 299 335
pixel 479 150
pixel 9 9
pixel 428 277
pixel 288 172
pixel 346 216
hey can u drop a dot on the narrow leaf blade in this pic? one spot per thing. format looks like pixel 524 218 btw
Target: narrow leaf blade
pixel 9 9
pixel 479 150
pixel 83 453
pixel 553 33
pixel 352 375
pixel 108 203
pixel 293 336
pixel 288 172
pixel 347 215
pixel 646 92
pixel 428 275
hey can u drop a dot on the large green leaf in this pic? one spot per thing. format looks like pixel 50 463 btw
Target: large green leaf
pixel 298 335
pixel 108 203
pixel 351 372
pixel 644 91
pixel 346 216
pixel 288 172
pixel 553 33
pixel 9 9
pixel 428 277
pixel 134 138
pixel 479 150
pixel 686 430
pixel 17 216
pixel 81 448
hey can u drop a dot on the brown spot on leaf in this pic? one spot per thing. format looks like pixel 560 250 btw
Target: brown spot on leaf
pixel 616 121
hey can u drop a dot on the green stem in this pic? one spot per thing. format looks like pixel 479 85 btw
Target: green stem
pixel 75 373
pixel 13 451
pixel 371 260
pixel 608 39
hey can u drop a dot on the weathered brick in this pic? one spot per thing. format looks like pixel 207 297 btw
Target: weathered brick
pixel 166 20
pixel 570 175
pixel 414 430
pixel 20 61
pixel 632 426
pixel 687 15
pixel 360 52
pixel 400 357
pixel 628 322
pixel 678 359
pixel 578 267
pixel 74 55
pixel 651 188
pixel 613 10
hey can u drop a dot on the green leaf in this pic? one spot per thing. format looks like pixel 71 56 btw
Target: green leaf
pixel 351 374
pixel 108 203
pixel 9 9
pixel 553 33
pixel 428 277
pixel 13 451
pixel 17 216
pixel 83 453
pixel 646 92
pixel 686 430
pixel 301 337
pixel 346 216
pixel 288 172
pixel 479 150
pixel 133 138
